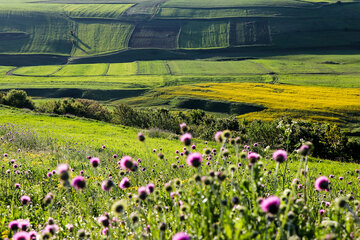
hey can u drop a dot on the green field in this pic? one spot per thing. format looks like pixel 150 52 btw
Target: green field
pixel 96 38
pixel 102 11
pixel 235 3
pixel 117 69
pixel 152 68
pixel 37 71
pixel 82 70
pixel 215 68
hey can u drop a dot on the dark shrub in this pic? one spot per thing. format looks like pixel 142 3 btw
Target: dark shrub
pixel 17 98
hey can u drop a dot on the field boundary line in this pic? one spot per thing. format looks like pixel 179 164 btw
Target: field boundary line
pixel 106 70
pixel 59 69
pixel 137 68
pixel 168 67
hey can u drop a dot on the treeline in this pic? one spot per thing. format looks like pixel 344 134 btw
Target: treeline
pixel 329 140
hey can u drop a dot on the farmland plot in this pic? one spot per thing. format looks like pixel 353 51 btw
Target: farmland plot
pixel 196 34
pixel 155 36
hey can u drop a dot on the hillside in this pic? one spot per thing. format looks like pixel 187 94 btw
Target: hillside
pixel 97 27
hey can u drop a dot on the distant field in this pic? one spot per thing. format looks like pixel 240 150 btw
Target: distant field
pixel 37 71
pixel 324 80
pixel 43 32
pixel 317 103
pixel 204 35
pixel 196 13
pixel 108 11
pixel 152 68
pixel 155 36
pixel 250 33
pixel 96 38
pixel 214 68
pixel 122 69
pixel 82 70
pixel 234 3
pixel 312 64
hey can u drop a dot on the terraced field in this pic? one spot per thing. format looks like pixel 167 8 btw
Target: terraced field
pixel 155 36
pixel 118 69
pixel 96 38
pixel 204 35
pixel 42 32
pixel 235 3
pixel 215 68
pixel 101 11
pixel 82 70
pixel 152 68
pixel 37 71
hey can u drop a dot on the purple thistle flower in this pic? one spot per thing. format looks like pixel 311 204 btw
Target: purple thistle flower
pixel 271 205
pixel 141 137
pixel 78 183
pixel 62 168
pixel 106 185
pixel 21 236
pixel 49 174
pixel 186 139
pixel 255 144
pixel 181 236
pixel 70 227
pixel 218 136
pixel 88 157
pixel 95 162
pixel 150 188
pixel 24 225
pixel 341 178
pixel 142 191
pixel 14 225
pixel 17 185
pixel 295 181
pixel 104 221
pixel 25 200
pixel 304 150
pixel 125 183
pixel 322 183
pixel 126 163
pixel 253 157
pixel 322 212
pixel 82 172
pixel 183 127
pixel 115 156
pixel 193 147
pixel 280 156
pixel 12 161
pixel 32 235
pixel 194 159
pixel 52 229
pixel 177 151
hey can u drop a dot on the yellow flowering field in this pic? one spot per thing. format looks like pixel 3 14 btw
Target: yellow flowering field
pixel 317 103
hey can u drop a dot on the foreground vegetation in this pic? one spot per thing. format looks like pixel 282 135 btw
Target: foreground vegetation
pixel 226 195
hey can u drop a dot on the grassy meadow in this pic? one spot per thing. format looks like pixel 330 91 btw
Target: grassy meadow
pixel 283 71
pixel 181 201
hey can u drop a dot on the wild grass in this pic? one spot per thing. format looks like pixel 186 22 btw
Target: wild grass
pixel 227 199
